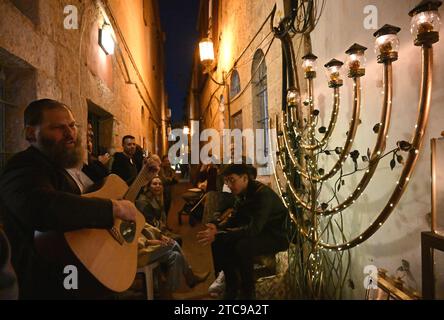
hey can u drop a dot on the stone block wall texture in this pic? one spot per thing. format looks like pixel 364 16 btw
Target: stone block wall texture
pixel 43 59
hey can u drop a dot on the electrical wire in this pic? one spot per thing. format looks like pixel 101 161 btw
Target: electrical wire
pixel 254 73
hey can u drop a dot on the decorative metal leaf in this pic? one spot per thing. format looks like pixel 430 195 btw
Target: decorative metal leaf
pixel 327 152
pixel 322 130
pixel 405 265
pixel 321 171
pixel 376 128
pixel 315 112
pixel 400 159
pixel 306 102
pixel 324 206
pixel 404 145
pixel 339 186
pixel 354 155
pixel 368 153
pixel 338 150
pixel 392 164
pixel 364 158
pixel 343 182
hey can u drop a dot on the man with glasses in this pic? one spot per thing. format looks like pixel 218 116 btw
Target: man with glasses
pixel 256 227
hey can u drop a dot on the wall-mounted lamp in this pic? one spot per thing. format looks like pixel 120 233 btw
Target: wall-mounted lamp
pixel 206 51
pixel 106 40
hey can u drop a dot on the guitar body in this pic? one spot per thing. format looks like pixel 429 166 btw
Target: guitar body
pixel 110 257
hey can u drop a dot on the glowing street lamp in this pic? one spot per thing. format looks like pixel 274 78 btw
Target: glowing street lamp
pixel 206 52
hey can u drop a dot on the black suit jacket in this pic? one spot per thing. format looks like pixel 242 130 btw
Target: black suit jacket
pixel 95 170
pixel 35 195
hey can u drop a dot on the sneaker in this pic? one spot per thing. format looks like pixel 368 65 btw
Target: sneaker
pixel 217 288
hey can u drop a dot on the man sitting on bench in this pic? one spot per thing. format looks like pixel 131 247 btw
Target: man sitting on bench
pixel 256 227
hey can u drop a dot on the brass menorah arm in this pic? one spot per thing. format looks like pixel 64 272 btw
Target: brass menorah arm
pixel 418 135
pixel 331 125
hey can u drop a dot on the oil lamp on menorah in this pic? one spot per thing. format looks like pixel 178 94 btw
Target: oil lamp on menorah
pixel 300 176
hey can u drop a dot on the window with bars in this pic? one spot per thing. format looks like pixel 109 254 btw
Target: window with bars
pixel 235 87
pixel 260 97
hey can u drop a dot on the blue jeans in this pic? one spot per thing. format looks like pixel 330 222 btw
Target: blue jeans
pixel 172 258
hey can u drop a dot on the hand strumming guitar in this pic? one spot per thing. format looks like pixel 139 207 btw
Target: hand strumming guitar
pixel 124 209
pixel 153 164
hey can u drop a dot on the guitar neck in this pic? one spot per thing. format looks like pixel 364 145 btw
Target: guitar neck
pixel 142 178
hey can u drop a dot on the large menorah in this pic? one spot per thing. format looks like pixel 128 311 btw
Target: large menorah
pixel 301 176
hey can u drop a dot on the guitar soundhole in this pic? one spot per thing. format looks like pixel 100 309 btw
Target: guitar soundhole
pixel 128 230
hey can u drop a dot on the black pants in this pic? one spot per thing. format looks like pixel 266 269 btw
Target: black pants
pixel 235 257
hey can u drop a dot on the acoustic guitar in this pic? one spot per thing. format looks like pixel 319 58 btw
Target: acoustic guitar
pixel 109 255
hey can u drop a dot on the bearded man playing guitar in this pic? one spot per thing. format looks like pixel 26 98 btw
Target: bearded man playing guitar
pixel 40 190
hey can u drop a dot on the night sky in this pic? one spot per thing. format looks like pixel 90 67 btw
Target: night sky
pixel 179 21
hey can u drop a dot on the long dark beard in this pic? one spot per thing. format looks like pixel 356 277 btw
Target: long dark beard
pixel 59 154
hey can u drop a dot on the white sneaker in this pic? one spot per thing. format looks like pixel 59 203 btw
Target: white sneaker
pixel 218 286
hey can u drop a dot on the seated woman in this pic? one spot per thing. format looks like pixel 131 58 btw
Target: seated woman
pixel 150 202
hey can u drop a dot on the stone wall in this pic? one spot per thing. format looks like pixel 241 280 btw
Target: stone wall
pixel 43 59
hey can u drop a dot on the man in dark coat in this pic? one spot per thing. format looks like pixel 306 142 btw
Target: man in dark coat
pixel 256 227
pixel 96 167
pixel 39 192
pixel 124 163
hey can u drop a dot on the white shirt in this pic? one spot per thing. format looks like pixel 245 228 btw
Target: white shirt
pixel 225 188
pixel 81 179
